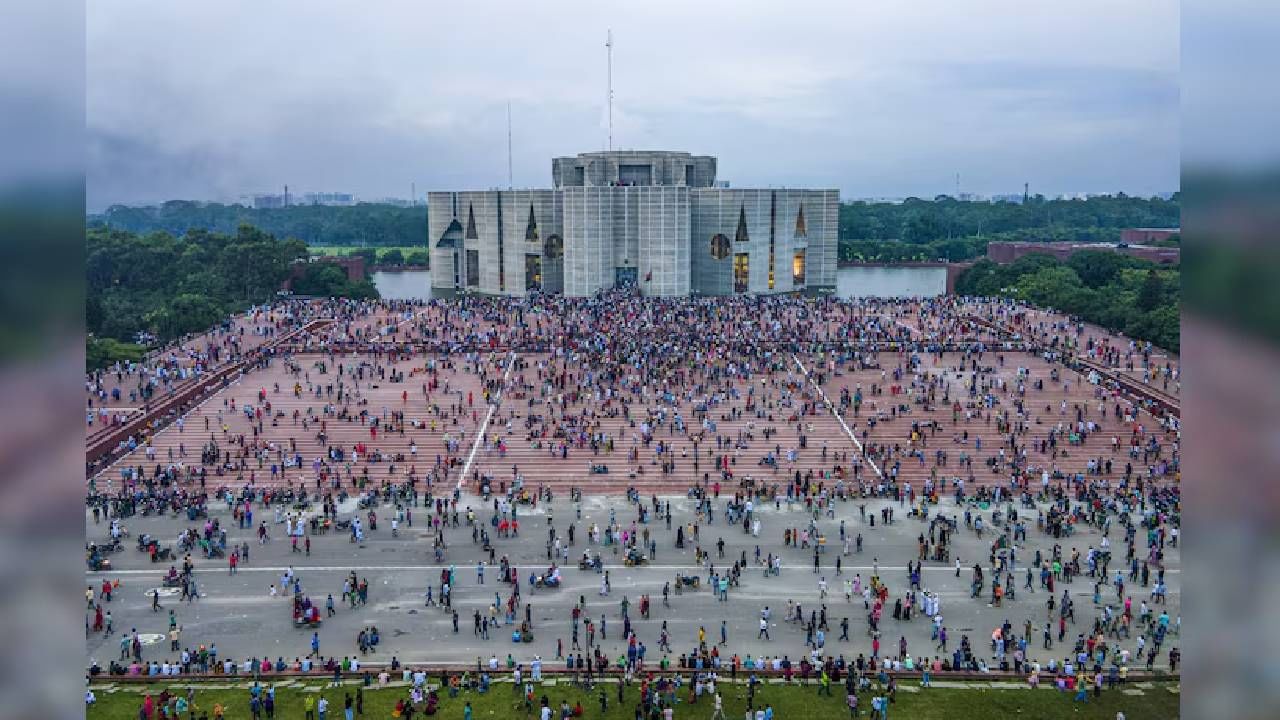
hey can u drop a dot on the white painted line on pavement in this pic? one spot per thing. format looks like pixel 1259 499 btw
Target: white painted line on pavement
pixel 484 427
pixel 831 406
pixel 805 569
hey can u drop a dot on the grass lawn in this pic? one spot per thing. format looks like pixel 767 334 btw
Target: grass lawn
pixel 346 249
pixel 1158 701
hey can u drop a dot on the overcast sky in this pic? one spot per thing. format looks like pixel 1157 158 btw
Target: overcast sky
pixel 210 100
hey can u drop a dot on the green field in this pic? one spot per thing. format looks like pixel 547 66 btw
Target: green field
pixel 1158 701
pixel 346 249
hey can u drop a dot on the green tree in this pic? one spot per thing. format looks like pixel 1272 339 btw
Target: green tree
pixel 370 255
pixel 393 257
pixel 172 285
pixel 101 352
pixel 419 258
pixel 1098 267
pixel 1152 292
pixel 361 224
pixel 321 279
pixel 1133 296
pixel 194 313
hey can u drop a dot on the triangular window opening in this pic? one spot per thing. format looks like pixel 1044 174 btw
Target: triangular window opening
pixel 471 224
pixel 531 231
pixel 800 229
pixel 741 235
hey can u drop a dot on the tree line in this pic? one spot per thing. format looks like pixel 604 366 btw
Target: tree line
pixel 1121 293
pixel 393 256
pixel 915 229
pixel 373 224
pixel 948 229
pixel 156 287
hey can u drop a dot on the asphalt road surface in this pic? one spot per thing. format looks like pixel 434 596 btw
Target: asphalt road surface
pixel 238 614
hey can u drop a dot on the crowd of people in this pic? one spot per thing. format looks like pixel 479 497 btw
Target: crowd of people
pixel 920 410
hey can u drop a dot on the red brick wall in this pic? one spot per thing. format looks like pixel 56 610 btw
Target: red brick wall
pixel 353 265
pixel 1006 252
pixel 1142 236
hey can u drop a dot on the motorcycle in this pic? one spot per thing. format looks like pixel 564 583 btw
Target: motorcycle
pixel 96 561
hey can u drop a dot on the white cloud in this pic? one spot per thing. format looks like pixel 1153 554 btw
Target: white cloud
pixel 873 98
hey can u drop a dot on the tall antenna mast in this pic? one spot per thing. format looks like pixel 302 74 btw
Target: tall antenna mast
pixel 609 47
pixel 510 185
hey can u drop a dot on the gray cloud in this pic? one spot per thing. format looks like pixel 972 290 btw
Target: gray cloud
pixel 213 100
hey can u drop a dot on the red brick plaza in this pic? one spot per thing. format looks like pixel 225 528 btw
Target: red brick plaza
pixel 657 395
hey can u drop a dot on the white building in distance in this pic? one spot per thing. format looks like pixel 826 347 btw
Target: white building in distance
pixel 654 220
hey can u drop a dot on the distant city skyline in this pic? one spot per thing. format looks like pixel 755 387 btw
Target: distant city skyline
pixel 877 100
pixel 302 198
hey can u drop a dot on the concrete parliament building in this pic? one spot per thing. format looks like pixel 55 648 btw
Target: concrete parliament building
pixel 653 220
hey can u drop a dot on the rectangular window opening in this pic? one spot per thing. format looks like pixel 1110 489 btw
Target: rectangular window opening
pixel 532 272
pixel 473 268
pixel 741 272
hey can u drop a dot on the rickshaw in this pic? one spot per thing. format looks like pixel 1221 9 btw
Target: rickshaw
pixel 172 578
pixel 550 579
pixel 96 561
pixel 305 615
pixel 634 557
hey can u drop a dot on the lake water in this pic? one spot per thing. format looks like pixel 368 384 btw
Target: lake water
pixel 851 282
pixel 403 285
pixel 891 282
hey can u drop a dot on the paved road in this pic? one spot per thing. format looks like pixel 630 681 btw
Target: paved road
pixel 237 613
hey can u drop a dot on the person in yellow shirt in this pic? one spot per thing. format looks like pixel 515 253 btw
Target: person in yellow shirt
pixel 309 705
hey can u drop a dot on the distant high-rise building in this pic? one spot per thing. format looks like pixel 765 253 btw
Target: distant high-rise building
pixel 1015 198
pixel 265 202
pixel 328 198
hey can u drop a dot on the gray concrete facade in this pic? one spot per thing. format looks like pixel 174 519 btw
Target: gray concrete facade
pixel 633 167
pixel 497 242
pixel 644 218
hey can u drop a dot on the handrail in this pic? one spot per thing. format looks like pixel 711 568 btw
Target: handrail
pixel 102 445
